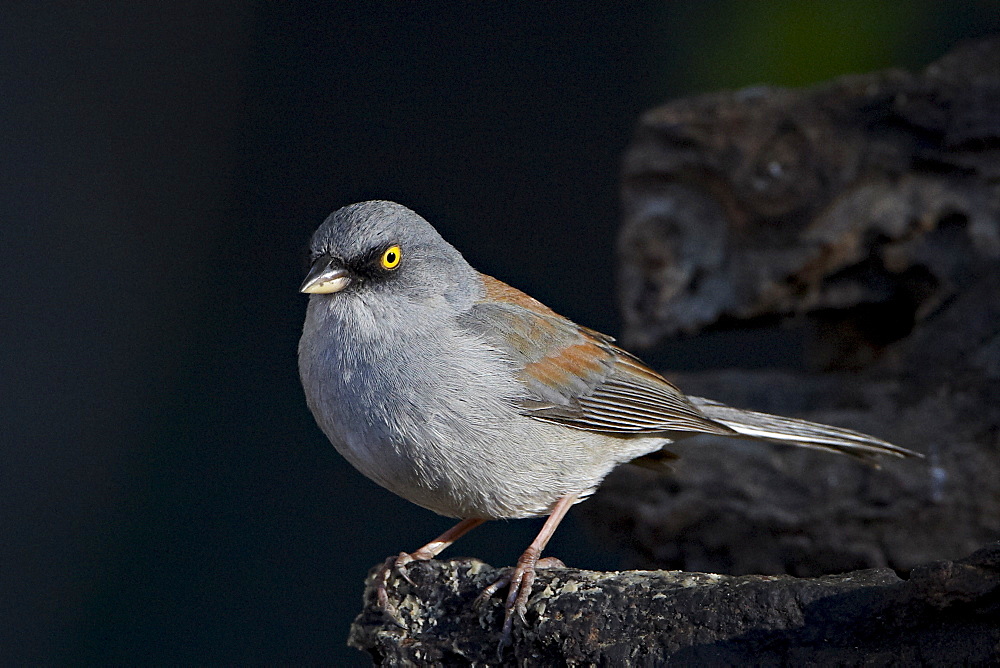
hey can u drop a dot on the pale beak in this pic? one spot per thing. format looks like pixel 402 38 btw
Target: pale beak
pixel 327 275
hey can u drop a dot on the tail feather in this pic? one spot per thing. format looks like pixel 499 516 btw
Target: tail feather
pixel 750 424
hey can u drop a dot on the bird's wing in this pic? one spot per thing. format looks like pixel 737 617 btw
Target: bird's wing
pixel 576 376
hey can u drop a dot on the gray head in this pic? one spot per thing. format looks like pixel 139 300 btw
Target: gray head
pixel 381 246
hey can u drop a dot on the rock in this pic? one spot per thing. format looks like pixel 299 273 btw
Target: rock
pixel 861 204
pixel 854 228
pixel 945 613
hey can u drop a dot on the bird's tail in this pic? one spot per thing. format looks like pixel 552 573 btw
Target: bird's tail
pixel 750 424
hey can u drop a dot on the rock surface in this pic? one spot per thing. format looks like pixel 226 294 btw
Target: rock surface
pixel 851 233
pixel 945 613
pixel 863 203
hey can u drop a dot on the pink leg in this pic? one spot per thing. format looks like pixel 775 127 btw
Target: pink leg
pixel 428 551
pixel 523 575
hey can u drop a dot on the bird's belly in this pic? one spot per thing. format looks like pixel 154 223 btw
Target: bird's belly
pixel 518 467
pixel 482 474
pixel 432 421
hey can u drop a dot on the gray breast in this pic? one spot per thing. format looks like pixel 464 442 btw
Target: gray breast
pixel 420 410
pixel 430 413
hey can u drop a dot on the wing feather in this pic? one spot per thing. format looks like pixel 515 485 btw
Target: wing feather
pixel 576 376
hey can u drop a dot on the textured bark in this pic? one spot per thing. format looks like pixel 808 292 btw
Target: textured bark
pixel 945 613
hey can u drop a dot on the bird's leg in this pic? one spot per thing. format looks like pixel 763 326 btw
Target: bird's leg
pixel 429 551
pixel 522 576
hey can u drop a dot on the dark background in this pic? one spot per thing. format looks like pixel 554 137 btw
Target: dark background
pixel 167 497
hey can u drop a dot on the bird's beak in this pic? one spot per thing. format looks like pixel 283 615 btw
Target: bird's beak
pixel 327 275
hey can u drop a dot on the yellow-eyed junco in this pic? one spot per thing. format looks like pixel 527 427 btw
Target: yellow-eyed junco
pixel 470 398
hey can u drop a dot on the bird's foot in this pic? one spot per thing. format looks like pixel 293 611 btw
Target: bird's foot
pixel 394 565
pixel 519 580
pixel 398 563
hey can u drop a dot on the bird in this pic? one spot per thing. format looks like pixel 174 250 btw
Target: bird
pixel 470 398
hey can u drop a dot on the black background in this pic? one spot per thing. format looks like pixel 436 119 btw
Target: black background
pixel 166 495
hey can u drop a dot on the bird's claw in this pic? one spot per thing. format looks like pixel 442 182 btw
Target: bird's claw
pixel 490 591
pixel 519 581
pixel 392 565
pixel 399 565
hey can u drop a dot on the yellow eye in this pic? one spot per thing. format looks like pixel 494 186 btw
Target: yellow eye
pixel 391 257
